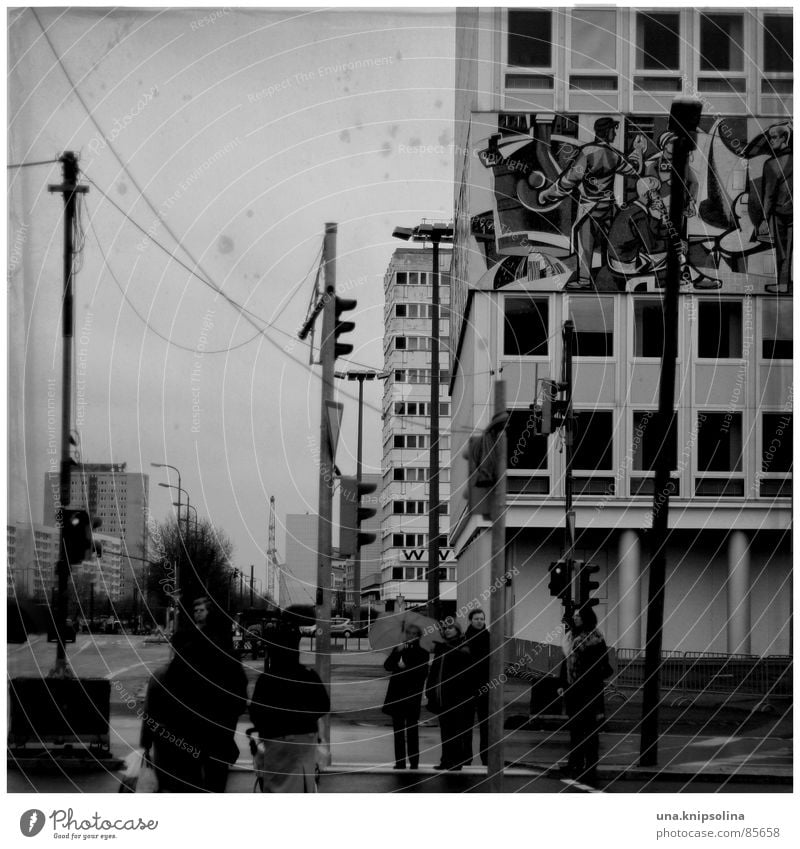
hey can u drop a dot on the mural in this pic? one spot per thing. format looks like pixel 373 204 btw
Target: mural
pixel 594 212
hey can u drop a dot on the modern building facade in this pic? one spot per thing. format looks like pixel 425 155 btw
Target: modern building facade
pixel 120 500
pixel 561 187
pixel 299 575
pixel 406 429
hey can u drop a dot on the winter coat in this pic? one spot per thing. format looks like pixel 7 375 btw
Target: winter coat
pixel 477 644
pixel 583 673
pixel 288 700
pixel 406 685
pixel 450 679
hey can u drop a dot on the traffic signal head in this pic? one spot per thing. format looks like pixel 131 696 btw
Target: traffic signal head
pixel 352 514
pixel 479 477
pixel 586 586
pixel 560 579
pixel 339 327
pixel 77 531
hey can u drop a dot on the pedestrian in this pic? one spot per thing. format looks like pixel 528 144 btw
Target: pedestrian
pixel 212 686
pixel 449 692
pixel 583 673
pixel 476 640
pixel 408 665
pixel 288 701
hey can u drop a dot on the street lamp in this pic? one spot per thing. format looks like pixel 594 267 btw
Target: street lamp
pixel 435 233
pixel 189 507
pixel 180 540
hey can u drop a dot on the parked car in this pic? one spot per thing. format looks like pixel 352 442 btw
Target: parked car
pixel 308 630
pixel 341 627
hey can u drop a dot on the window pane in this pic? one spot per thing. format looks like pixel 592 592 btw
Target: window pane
pixel 400 310
pixel 778 43
pixel 719 329
pixel 719 442
pixel 721 43
pixel 525 450
pixel 648 333
pixel 593 440
pixel 658 41
pixel 646 442
pixel 525 327
pixel 776 445
pixel 529 39
pixel 594 40
pixel 776 329
pixel 401 278
pixel 594 325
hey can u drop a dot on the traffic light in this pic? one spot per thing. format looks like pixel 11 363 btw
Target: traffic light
pixel 78 542
pixel 480 476
pixel 586 586
pixel 353 514
pixel 339 327
pixel 560 579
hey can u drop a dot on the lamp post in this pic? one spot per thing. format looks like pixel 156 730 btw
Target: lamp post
pixel 435 233
pixel 180 540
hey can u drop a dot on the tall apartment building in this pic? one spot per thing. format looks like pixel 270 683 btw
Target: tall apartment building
pixel 561 187
pixel 406 429
pixel 119 499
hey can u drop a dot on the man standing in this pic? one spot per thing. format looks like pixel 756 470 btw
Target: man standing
pixel 593 173
pixel 477 643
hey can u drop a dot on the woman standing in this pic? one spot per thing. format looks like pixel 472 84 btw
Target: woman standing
pixel 583 675
pixel 408 664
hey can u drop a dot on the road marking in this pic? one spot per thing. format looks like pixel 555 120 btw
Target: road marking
pixel 118 672
pixel 587 788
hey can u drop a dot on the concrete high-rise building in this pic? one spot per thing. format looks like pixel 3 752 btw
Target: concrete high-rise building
pixel 563 178
pixel 406 429
pixel 120 500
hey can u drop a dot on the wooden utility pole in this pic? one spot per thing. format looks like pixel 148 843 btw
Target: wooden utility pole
pixel 498 578
pixel 326 476
pixel 69 189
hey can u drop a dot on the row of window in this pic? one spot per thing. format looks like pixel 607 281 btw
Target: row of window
pixel 409 540
pixel 413 343
pixel 717 443
pixel 419 440
pixel 416 508
pixel 418 474
pixel 419 375
pixel 658 62
pixel 419 311
pixel 419 408
pixel 418 573
pixel 721 326
pixel 419 278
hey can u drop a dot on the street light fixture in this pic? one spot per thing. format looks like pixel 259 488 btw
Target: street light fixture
pixel 178 563
pixel 435 233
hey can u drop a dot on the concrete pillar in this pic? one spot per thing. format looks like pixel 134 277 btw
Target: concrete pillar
pixel 738 593
pixel 629 605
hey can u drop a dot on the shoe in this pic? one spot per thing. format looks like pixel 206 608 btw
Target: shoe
pixel 399 765
pixel 454 768
pixel 441 766
pixel 414 765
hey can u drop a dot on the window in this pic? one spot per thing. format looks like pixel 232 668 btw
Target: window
pixel 594 325
pixel 530 37
pixel 719 442
pixel 778 44
pixel 719 330
pixel 413 343
pixel 409 540
pixel 525 327
pixel 645 443
pixel 402 278
pixel 524 449
pixel 594 40
pixel 658 41
pixel 721 42
pixel 410 441
pixel 776 442
pixel 648 328
pixel 412 475
pixel 400 310
pixel 594 438
pixel 400 343
pixel 776 329
pixel 416 508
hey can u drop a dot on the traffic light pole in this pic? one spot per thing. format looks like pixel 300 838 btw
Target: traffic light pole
pixel 569 453
pixel 360 377
pixel 326 477
pixel 497 602
pixel 684 118
pixel 69 189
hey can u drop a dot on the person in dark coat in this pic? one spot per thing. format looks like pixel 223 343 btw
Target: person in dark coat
pixel 583 673
pixel 287 703
pixel 409 667
pixel 476 640
pixel 449 692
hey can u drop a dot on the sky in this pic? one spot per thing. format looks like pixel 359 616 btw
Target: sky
pixel 239 133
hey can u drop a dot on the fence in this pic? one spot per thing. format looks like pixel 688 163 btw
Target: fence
pixel 682 673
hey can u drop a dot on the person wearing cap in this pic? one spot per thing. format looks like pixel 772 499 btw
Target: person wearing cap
pixel 593 173
pixel 660 167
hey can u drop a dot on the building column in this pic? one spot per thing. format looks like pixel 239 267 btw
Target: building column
pixel 629 604
pixel 738 593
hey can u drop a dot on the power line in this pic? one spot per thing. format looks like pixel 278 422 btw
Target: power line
pixel 31 164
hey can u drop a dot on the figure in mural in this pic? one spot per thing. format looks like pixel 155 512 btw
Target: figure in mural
pixel 776 205
pixel 660 166
pixel 593 173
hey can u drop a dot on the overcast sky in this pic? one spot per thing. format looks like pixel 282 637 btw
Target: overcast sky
pixel 242 133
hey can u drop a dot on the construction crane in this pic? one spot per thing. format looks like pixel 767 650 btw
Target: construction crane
pixel 273 567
